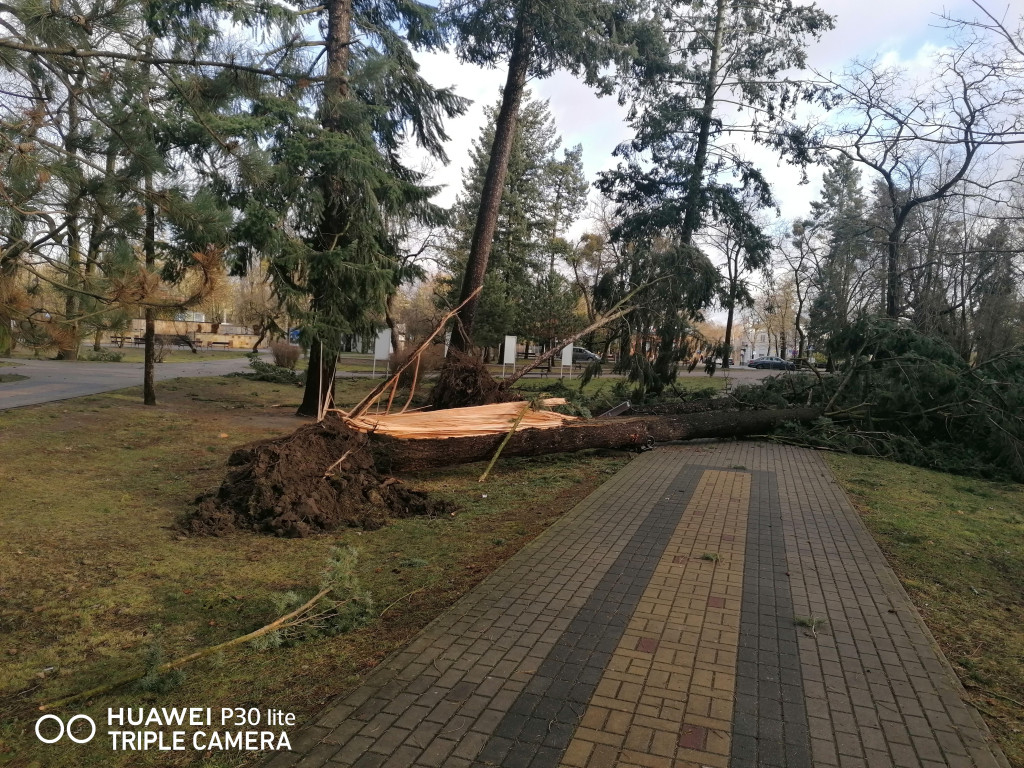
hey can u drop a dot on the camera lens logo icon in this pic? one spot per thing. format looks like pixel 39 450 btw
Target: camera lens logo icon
pixel 64 729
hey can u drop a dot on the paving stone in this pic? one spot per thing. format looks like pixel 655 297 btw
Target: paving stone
pixel 608 641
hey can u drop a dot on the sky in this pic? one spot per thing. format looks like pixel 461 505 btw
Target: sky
pixel 901 31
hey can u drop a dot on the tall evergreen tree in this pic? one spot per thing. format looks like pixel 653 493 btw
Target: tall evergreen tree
pixel 723 61
pixel 841 274
pixel 88 137
pixel 536 39
pixel 543 193
pixel 312 163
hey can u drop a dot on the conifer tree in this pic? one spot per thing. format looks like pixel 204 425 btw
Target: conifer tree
pixel 86 133
pixel 841 275
pixel 543 193
pixel 584 37
pixel 721 62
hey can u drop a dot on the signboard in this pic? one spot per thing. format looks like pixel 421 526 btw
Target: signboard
pixel 567 356
pixel 382 346
pixel 509 357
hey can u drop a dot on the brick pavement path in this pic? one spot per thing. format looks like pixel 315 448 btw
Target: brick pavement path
pixel 710 605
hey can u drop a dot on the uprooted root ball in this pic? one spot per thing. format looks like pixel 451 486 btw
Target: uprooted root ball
pixel 465 381
pixel 282 486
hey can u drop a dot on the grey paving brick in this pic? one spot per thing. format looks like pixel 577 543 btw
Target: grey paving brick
pixel 523 652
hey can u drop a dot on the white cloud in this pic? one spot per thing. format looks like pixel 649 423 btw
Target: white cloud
pixel 901 31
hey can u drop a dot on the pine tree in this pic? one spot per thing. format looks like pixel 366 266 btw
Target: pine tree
pixel 311 161
pixel 717 58
pixel 88 136
pixel 580 36
pixel 543 193
pixel 840 217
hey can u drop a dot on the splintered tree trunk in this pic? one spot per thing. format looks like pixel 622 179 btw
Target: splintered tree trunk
pixel 393 455
pixel 494 181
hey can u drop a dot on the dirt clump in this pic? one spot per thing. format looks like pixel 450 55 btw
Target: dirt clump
pixel 282 486
pixel 465 381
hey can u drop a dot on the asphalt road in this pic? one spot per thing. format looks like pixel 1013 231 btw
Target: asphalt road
pixel 51 380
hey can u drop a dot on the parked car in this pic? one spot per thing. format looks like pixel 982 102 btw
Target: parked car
pixel 775 363
pixel 581 355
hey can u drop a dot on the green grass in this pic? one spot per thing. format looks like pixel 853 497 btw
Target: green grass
pixel 956 544
pixel 137 354
pixel 7 377
pixel 95 578
pixel 603 386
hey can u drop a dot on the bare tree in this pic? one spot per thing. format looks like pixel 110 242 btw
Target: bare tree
pixel 924 139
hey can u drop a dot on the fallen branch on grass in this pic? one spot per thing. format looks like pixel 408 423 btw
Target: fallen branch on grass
pixel 292 619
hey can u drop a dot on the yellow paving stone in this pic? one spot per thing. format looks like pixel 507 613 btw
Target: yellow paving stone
pixel 664 743
pixel 638 739
pixel 603 756
pixel 718 742
pixel 578 753
pixel 702 759
pixel 674 668
pixel 599 737
pixel 647 710
pixel 645 760
pixel 618 722
pixel 594 717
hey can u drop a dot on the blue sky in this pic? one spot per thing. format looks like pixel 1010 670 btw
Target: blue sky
pixel 899 29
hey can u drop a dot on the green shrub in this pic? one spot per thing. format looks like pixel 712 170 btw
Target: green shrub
pixel 105 356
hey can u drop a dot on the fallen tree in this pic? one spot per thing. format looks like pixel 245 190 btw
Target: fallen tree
pixel 326 475
pixel 394 455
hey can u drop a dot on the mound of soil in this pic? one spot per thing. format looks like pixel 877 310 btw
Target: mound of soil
pixel 465 382
pixel 281 486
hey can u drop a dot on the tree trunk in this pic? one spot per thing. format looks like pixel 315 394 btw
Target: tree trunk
pixel 323 358
pixel 494 181
pixel 665 364
pixel 149 247
pixel 69 341
pixel 691 219
pixel 892 273
pixel 394 455
pixel 727 349
pixel 324 355
pixel 319 381
pixel 149 364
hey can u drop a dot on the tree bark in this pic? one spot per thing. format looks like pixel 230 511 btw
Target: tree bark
pixel 394 455
pixel 149 247
pixel 149 360
pixel 323 358
pixel 691 220
pixel 319 381
pixel 69 340
pixel 494 181
pixel 727 348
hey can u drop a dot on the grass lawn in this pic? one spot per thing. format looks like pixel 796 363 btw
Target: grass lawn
pixel 137 354
pixel 957 545
pixel 603 386
pixel 95 579
pixel 6 377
